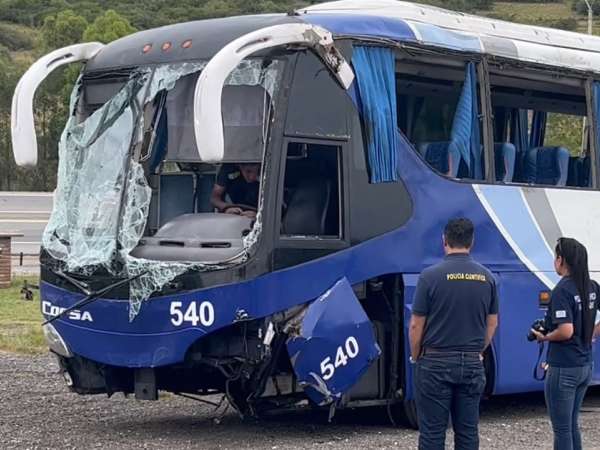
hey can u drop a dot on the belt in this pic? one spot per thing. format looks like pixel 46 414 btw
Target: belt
pixel 430 351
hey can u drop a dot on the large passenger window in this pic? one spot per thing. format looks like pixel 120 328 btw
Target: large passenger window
pixel 438 110
pixel 311 198
pixel 538 123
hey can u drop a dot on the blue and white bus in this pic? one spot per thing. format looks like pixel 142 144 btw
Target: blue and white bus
pixel 373 123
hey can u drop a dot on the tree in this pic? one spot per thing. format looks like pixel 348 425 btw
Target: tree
pixel 108 27
pixel 62 29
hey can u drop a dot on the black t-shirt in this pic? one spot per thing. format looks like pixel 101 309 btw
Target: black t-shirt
pixel 239 190
pixel 456 295
pixel 565 307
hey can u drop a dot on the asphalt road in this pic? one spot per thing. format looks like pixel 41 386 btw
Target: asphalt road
pixel 26 213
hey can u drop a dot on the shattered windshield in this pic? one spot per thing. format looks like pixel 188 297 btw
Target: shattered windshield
pixel 111 160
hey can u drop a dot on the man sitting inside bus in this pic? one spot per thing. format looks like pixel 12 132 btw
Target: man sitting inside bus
pixel 241 183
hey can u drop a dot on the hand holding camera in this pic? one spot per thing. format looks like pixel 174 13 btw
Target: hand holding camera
pixel 538 331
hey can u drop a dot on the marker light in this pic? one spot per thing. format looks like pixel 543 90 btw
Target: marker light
pixel 544 298
pixel 166 47
pixel 186 44
pixel 147 48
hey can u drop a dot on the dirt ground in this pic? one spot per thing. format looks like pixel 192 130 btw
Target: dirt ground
pixel 37 411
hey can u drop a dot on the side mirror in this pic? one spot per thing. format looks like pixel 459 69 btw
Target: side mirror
pixel 24 141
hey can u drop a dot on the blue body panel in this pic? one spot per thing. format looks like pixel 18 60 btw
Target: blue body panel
pixel 151 340
pixel 336 345
pixel 362 25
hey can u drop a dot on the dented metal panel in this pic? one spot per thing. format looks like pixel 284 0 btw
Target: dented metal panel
pixel 333 345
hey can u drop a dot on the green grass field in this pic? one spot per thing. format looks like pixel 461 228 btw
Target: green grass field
pixel 20 321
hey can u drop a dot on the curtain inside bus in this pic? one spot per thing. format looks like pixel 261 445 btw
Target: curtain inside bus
pixel 519 130
pixel 465 139
pixel 538 129
pixel 374 68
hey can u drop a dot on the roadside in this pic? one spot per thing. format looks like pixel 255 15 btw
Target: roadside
pixel 20 320
pixel 38 412
pixel 25 213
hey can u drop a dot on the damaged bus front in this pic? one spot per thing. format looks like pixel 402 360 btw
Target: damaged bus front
pixel 146 284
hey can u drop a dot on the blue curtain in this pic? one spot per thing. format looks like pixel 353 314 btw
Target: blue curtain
pixel 596 103
pixel 465 138
pixel 518 130
pixel 375 70
pixel 538 129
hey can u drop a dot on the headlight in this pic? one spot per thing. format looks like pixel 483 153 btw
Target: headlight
pixel 55 341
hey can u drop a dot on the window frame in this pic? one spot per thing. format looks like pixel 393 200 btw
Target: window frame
pixel 556 73
pixel 339 242
pixel 451 59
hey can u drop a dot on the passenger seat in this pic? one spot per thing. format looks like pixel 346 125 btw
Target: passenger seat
pixel 547 165
pixel 505 154
pixel 437 156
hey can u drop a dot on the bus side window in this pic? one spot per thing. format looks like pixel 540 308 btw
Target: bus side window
pixel 538 127
pixel 428 99
pixel 311 200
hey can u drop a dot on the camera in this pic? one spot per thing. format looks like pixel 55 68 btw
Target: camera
pixel 540 326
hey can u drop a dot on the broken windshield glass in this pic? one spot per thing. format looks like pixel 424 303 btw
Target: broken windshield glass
pixel 92 155
pixel 103 198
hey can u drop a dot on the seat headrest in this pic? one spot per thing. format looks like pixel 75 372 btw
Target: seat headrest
pixel 547 165
pixel 436 155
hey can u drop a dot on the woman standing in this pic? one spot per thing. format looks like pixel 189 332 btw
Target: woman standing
pixel 571 325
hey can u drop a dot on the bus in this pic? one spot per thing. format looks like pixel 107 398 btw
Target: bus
pixel 367 125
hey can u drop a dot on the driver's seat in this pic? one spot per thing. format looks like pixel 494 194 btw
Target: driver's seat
pixel 306 213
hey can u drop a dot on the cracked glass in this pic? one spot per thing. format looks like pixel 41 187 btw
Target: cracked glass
pixel 102 198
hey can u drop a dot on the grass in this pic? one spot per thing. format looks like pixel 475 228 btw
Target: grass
pixel 544 14
pixel 20 321
pixel 526 11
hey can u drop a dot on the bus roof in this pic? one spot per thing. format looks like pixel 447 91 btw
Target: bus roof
pixel 373 19
pixel 448 29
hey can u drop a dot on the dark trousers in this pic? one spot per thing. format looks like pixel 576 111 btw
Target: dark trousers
pixel 564 390
pixel 449 384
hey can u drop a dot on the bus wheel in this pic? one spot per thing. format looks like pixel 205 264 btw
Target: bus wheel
pixel 410 413
pixel 490 372
pixel 405 413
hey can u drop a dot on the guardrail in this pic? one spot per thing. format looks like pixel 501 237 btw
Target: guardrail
pixel 22 255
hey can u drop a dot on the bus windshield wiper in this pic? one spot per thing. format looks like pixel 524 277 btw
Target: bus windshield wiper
pixel 83 287
pixel 92 296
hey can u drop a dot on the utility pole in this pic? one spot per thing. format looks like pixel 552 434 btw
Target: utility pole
pixel 590 16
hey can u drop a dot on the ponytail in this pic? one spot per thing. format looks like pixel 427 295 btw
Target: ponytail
pixel 575 256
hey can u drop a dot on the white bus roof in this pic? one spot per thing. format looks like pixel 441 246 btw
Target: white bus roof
pixel 399 20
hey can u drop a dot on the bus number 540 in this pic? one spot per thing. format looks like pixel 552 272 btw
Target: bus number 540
pixel 202 313
pixel 341 358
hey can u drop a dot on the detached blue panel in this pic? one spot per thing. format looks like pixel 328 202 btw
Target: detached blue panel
pixel 375 74
pixel 362 25
pixel 336 345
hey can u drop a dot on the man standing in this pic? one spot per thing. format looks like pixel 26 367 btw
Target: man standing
pixel 454 316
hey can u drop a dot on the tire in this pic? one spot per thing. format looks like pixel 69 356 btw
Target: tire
pixel 404 414
pixel 490 373
pixel 410 413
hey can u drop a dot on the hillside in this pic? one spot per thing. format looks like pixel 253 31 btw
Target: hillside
pixel 31 28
